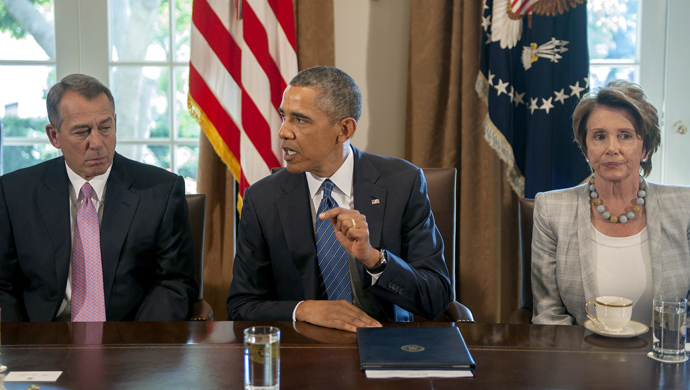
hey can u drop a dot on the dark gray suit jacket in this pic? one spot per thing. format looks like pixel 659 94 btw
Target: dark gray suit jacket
pixel 146 245
pixel 276 265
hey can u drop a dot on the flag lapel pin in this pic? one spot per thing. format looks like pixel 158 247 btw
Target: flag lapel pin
pixel 375 201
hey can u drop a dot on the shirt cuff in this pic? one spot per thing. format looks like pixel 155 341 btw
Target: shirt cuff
pixel 374 277
pixel 295 311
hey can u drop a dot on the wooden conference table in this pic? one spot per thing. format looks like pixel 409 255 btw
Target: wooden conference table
pixel 209 355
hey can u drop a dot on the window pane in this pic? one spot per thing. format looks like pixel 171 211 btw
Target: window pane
pixel 21 156
pixel 139 30
pixel 23 91
pixel 183 23
pixel 186 161
pixel 612 29
pixel 158 155
pixel 141 101
pixel 27 32
pixel 185 125
pixel 600 74
pixel 23 114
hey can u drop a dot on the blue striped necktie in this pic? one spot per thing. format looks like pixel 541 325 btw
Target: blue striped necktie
pixel 335 272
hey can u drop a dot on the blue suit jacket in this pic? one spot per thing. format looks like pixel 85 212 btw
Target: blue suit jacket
pixel 276 265
pixel 146 245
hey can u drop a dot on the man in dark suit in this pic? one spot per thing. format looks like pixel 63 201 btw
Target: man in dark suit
pixel 382 218
pixel 146 256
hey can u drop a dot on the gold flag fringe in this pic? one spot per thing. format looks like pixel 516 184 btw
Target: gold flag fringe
pixel 498 142
pixel 217 141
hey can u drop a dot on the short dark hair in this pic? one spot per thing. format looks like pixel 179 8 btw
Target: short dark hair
pixel 621 94
pixel 339 95
pixel 87 86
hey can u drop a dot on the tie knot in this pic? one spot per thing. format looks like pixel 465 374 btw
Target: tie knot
pixel 86 190
pixel 327 187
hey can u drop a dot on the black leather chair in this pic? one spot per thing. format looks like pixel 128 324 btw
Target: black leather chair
pixel 441 189
pixel 523 315
pixel 196 205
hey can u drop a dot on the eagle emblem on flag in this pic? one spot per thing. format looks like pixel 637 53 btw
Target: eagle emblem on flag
pixel 507 16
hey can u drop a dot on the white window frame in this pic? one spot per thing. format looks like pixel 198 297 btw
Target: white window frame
pixel 82 44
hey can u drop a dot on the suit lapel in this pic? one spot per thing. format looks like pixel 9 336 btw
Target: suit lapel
pixel 294 212
pixel 584 239
pixel 654 232
pixel 370 199
pixel 118 212
pixel 55 210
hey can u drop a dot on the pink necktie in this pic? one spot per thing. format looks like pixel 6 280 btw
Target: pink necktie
pixel 88 303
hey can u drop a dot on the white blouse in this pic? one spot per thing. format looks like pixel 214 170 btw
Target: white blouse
pixel 624 268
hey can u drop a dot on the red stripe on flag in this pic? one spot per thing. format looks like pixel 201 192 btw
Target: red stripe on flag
pixel 244 184
pixel 218 38
pixel 286 18
pixel 257 41
pixel 214 111
pixel 228 49
pixel 257 129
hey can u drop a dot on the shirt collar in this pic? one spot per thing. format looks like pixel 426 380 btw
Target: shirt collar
pixel 342 178
pixel 97 183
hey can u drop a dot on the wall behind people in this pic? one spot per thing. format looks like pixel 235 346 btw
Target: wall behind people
pixel 372 45
pixel 445 129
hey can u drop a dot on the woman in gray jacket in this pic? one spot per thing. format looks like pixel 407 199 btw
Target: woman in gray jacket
pixel 617 234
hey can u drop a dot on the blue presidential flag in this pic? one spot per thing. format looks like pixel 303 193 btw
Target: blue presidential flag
pixel 534 69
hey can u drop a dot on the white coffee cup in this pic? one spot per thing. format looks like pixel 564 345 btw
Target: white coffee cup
pixel 612 312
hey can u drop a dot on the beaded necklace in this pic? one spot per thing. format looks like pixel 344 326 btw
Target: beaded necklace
pixel 623 218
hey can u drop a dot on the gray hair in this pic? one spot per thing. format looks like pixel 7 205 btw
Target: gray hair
pixel 339 95
pixel 87 86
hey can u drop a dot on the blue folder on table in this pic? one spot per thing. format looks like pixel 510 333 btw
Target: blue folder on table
pixel 405 348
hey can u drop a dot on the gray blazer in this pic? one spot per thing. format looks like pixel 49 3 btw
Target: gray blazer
pixel 563 272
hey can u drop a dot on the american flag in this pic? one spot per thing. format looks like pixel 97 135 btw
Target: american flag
pixel 243 53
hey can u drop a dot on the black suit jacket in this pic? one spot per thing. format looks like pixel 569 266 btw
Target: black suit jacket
pixel 276 265
pixel 146 245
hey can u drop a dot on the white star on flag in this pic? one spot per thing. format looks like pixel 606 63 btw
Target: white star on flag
pixel 576 89
pixel 546 105
pixel 486 22
pixel 533 105
pixel 561 96
pixel 501 87
pixel 518 98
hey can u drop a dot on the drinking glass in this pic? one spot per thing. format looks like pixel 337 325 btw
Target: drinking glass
pixel 670 316
pixel 262 358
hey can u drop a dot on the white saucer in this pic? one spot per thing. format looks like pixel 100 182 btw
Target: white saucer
pixel 633 329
